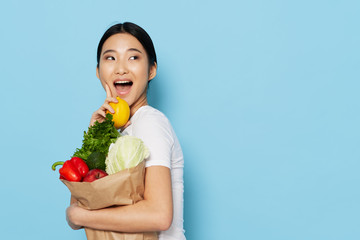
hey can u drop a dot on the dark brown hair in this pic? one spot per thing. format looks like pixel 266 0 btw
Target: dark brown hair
pixel 139 33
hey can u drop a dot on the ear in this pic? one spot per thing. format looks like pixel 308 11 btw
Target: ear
pixel 152 71
pixel 97 73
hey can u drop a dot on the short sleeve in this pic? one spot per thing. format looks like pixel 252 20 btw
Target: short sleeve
pixel 154 130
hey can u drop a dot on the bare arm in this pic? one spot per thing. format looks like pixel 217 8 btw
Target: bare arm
pixel 154 213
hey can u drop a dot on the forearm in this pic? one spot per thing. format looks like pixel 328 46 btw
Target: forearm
pixel 154 213
pixel 140 217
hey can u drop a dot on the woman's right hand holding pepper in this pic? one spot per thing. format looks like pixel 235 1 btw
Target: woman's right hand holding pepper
pixel 100 114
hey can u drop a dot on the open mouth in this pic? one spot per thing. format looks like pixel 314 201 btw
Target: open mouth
pixel 123 87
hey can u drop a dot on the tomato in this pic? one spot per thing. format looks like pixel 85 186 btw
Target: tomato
pixel 122 113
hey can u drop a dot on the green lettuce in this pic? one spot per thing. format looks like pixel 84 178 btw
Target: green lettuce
pixel 98 138
pixel 126 152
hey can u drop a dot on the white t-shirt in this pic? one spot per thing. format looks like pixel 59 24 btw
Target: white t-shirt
pixel 155 130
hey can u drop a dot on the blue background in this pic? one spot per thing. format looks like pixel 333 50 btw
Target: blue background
pixel 263 95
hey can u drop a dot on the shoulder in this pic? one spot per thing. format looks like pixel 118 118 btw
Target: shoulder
pixel 150 123
pixel 150 117
pixel 149 113
pixel 155 130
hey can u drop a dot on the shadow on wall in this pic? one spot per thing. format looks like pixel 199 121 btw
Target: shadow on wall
pixel 157 92
pixel 192 187
pixel 161 95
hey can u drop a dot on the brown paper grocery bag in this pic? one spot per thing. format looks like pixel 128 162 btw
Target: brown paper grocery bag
pixel 106 235
pixel 122 188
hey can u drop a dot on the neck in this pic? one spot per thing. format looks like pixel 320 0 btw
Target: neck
pixel 137 105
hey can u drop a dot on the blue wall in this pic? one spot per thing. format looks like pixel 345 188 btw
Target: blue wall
pixel 264 97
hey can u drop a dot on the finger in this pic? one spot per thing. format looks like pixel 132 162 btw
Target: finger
pixel 102 113
pixel 98 115
pixel 111 99
pixel 105 107
pixel 108 91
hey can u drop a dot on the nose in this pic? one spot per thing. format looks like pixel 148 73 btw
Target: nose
pixel 121 68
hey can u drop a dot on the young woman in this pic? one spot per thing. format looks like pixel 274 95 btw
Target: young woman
pixel 126 64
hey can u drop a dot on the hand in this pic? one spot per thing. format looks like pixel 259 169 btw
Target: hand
pixel 71 213
pixel 100 114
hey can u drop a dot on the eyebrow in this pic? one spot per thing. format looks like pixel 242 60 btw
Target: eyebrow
pixel 129 50
pixel 134 49
pixel 107 51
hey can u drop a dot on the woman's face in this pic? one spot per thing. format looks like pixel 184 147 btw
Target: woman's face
pixel 124 67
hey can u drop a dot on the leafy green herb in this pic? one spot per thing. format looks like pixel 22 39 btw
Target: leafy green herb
pixel 98 138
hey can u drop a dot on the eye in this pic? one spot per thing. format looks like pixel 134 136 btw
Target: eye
pixel 133 57
pixel 109 58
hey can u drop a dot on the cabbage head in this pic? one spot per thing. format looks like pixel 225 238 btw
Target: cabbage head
pixel 126 152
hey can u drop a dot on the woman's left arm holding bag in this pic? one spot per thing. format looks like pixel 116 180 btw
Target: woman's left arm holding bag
pixel 154 213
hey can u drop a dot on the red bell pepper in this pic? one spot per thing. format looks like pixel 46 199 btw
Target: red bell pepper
pixel 72 170
pixel 80 165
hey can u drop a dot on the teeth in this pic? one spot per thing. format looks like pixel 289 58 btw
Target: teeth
pixel 122 82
